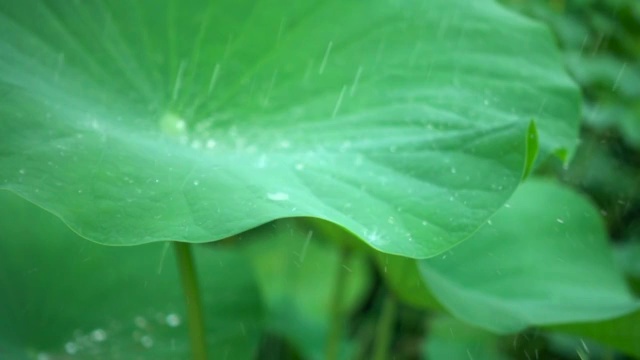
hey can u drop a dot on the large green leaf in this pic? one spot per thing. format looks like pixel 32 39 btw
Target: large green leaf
pixel 543 259
pixel 63 296
pixel 405 122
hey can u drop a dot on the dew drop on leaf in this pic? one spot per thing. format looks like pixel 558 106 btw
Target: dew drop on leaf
pixel 278 196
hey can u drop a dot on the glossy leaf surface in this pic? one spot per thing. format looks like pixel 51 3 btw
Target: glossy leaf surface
pixel 406 123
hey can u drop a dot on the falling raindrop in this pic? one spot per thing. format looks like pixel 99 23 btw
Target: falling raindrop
pixel 325 58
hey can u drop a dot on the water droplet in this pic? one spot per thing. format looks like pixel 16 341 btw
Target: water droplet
pixel 359 160
pixel 140 321
pixel 146 341
pixel 173 320
pixel 196 182
pixel 262 162
pixel 71 348
pixel 560 221
pixel 22 171
pixel 172 124
pixel 374 237
pixel 284 144
pixel 98 335
pixel 278 196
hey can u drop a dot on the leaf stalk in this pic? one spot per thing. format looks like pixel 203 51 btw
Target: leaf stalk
pixel 195 318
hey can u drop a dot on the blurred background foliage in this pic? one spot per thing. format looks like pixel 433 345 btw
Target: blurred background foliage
pixel 601 47
pixel 600 43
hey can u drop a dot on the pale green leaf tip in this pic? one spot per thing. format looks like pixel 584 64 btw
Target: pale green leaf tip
pixel 531 152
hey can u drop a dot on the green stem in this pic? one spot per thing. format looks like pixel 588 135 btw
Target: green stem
pixel 335 332
pixel 384 329
pixel 195 318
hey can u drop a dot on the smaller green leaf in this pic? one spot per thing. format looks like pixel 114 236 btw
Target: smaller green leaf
pixel 543 259
pixel 403 277
pixel 451 339
pixel 531 152
pixel 297 269
pixel 622 333
pixel 628 257
pixel 63 296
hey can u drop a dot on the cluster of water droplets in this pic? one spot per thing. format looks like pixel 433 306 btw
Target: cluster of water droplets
pixel 142 330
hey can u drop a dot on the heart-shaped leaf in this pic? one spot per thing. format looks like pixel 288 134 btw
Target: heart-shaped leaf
pixel 63 296
pixel 543 259
pixel 407 123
